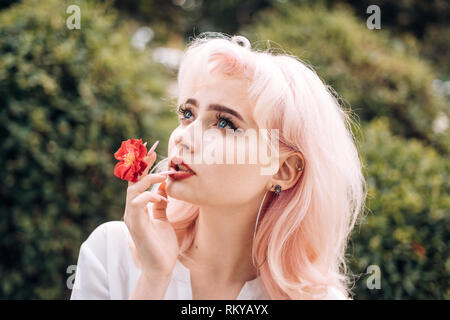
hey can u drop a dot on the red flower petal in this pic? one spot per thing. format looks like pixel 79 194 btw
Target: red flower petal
pixel 130 155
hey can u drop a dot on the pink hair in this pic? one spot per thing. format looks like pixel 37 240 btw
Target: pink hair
pixel 302 236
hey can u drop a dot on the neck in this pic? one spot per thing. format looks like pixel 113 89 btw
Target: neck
pixel 222 247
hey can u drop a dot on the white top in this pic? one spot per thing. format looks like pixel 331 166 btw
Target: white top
pixel 106 270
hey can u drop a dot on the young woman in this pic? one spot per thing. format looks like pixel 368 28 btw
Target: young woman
pixel 251 229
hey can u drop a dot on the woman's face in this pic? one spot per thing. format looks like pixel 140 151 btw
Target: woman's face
pixel 214 119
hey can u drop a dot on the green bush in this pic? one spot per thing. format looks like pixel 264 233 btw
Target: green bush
pixel 68 98
pixel 375 73
pixel 406 231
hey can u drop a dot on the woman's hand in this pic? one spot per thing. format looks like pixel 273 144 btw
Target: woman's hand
pixel 156 244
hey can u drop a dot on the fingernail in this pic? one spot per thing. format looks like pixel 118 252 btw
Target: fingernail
pixel 155 175
pixel 162 186
pixel 166 172
pixel 162 198
pixel 153 147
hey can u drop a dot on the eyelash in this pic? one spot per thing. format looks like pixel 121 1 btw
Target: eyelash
pixel 182 111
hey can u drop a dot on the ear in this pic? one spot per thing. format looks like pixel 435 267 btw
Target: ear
pixel 288 174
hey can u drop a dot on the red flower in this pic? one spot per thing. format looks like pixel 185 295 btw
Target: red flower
pixel 131 165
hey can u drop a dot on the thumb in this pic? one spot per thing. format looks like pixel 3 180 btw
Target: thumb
pixel 159 208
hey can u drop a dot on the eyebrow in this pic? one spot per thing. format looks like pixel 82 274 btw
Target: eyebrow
pixel 216 107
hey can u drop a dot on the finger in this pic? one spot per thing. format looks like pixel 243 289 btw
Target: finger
pixel 149 160
pixel 151 157
pixel 142 199
pixel 159 208
pixel 144 184
pixel 166 172
pixel 153 148
pixel 139 204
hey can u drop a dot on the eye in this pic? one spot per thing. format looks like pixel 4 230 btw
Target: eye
pixel 223 122
pixel 186 113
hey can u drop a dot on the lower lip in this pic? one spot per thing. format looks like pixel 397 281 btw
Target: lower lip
pixel 180 175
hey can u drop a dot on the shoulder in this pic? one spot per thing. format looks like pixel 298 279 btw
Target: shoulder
pixel 100 265
pixel 111 234
pixel 108 229
pixel 114 227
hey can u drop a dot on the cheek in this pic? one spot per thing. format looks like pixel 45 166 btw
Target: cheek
pixel 232 183
pixel 171 141
pixel 230 149
pixel 170 145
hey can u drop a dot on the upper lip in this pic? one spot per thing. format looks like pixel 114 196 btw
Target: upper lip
pixel 176 162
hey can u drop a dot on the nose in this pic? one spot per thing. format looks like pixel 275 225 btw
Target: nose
pixel 181 143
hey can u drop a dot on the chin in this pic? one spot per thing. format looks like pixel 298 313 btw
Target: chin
pixel 180 190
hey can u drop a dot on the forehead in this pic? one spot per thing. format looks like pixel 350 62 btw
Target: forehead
pixel 227 91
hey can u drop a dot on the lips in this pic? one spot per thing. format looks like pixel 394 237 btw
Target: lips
pixel 180 168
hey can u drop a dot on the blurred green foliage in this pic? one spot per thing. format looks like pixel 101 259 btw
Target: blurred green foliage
pixel 425 20
pixel 68 98
pixel 428 21
pixel 406 231
pixel 375 74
